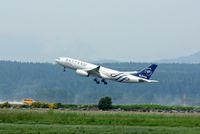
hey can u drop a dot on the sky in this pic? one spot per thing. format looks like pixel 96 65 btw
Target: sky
pixel 92 30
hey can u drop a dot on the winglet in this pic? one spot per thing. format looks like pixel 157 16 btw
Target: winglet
pixel 98 68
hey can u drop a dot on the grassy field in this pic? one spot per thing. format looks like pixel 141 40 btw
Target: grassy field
pixel 61 121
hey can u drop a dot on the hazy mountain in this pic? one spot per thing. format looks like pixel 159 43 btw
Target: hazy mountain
pixel 105 61
pixel 194 58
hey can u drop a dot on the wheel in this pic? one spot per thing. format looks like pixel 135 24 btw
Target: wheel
pixel 105 83
pixel 96 80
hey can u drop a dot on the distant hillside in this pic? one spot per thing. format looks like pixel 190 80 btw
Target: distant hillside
pixel 106 61
pixel 194 58
pixel 179 84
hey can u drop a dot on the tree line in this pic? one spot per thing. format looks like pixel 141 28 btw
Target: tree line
pixel 179 84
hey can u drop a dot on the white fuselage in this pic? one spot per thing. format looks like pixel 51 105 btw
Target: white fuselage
pixel 88 69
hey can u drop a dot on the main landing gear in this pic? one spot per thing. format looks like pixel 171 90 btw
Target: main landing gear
pixel 98 82
pixel 105 83
pixel 64 69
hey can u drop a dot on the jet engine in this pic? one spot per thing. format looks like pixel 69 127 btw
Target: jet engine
pixel 82 73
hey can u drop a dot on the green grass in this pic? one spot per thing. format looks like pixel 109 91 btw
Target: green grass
pixel 94 129
pixel 98 118
pixel 58 121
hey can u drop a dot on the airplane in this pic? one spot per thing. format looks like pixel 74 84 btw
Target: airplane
pixel 98 72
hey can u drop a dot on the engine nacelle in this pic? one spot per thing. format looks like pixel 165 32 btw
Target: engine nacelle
pixel 82 73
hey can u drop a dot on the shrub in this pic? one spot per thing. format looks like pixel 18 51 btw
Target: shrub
pixel 59 105
pixel 39 105
pixel 70 106
pixel 52 106
pixel 6 105
pixel 105 103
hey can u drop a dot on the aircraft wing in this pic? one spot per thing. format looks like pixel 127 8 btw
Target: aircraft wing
pixel 94 70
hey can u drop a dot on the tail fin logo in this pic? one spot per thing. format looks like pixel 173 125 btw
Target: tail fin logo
pixel 148 72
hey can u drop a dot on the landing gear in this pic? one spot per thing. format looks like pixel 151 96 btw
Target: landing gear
pixel 105 83
pixel 64 69
pixel 96 80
